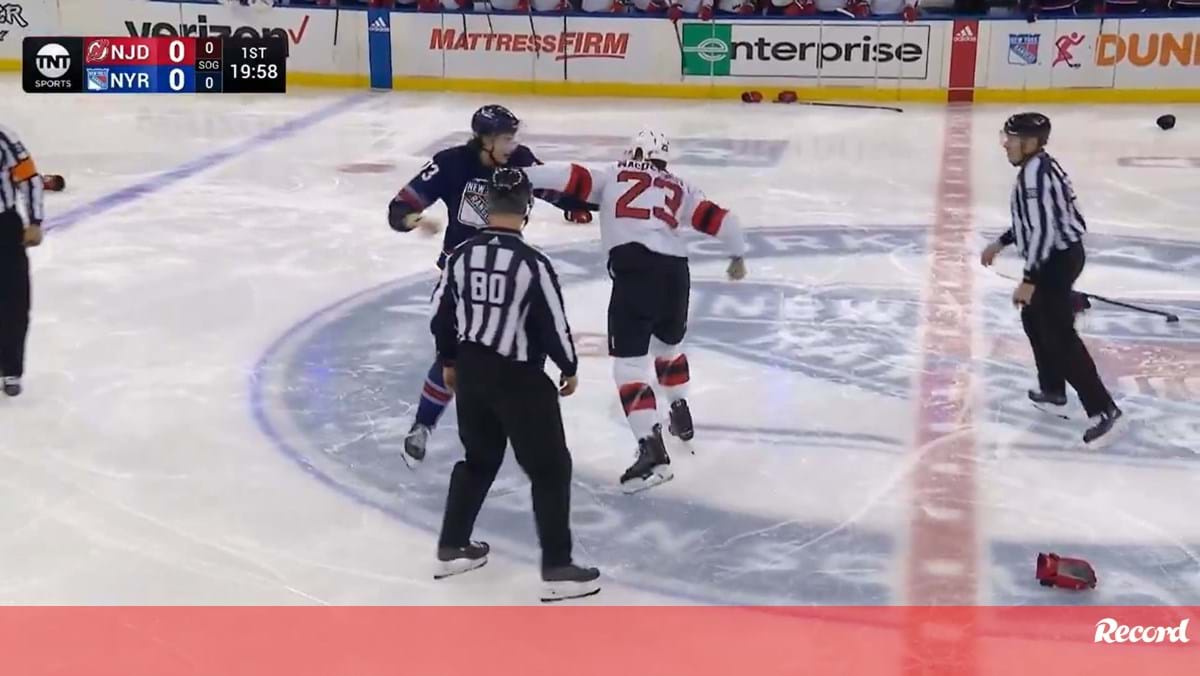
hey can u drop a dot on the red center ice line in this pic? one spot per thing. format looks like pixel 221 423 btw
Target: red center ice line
pixel 942 546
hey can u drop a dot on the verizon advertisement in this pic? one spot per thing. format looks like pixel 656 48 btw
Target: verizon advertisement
pixel 537 49
pixel 309 34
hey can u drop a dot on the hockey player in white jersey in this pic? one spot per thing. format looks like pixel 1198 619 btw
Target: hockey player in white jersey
pixel 644 209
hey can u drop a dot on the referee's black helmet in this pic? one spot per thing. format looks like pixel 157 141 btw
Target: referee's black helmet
pixel 1030 125
pixel 509 192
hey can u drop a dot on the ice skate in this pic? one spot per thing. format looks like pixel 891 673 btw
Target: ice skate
pixel 569 582
pixel 680 424
pixel 1105 428
pixel 652 467
pixel 12 386
pixel 414 445
pixel 1052 404
pixel 459 560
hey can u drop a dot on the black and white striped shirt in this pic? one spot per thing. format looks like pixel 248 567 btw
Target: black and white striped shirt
pixel 19 178
pixel 1045 217
pixel 499 292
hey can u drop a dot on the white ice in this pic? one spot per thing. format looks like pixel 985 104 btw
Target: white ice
pixel 134 469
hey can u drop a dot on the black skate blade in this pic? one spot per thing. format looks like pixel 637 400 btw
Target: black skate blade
pixel 659 476
pixel 458 567
pixel 1053 411
pixel 565 591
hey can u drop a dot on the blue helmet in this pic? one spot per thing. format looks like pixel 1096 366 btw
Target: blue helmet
pixel 494 119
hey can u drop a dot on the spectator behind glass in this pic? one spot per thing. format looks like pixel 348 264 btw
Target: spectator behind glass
pixel 1035 8
pixel 738 6
pixel 1190 6
pixel 906 9
pixel 792 7
pixel 537 5
pixel 1126 6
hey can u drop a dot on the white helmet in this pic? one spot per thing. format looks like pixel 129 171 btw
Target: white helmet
pixel 654 146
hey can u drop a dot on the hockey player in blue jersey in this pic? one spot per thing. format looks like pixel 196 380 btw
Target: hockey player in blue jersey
pixel 459 177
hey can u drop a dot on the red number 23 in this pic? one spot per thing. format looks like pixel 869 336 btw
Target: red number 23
pixel 641 183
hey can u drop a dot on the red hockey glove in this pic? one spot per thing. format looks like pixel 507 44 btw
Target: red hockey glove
pixel 582 217
pixel 675 13
pixel 801 8
pixel 910 13
pixel 1057 571
pixel 706 12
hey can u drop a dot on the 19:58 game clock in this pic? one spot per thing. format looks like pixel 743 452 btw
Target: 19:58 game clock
pixel 255 66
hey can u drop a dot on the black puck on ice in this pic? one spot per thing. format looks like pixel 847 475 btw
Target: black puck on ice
pixel 1166 122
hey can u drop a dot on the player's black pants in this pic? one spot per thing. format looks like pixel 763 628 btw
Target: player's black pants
pixel 14 294
pixel 650 294
pixel 1049 321
pixel 500 401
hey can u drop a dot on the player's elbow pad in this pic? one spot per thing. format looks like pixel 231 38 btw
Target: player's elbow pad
pixel 398 213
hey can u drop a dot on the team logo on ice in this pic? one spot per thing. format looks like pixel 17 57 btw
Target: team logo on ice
pixel 1023 48
pixel 97 79
pixel 332 394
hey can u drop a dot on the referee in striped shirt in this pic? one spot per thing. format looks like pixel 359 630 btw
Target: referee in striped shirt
pixel 19 183
pixel 1048 229
pixel 499 314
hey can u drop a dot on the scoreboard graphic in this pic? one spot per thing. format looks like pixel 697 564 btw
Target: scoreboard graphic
pixel 124 65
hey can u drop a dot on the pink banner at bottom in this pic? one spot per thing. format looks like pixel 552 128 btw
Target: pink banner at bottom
pixel 595 641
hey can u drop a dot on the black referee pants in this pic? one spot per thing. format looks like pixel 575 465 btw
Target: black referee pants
pixel 1049 322
pixel 500 401
pixel 14 294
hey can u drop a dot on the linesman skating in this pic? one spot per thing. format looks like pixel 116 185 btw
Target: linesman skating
pixel 499 315
pixel 19 182
pixel 1048 229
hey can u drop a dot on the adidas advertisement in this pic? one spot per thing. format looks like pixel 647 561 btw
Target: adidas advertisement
pixel 803 50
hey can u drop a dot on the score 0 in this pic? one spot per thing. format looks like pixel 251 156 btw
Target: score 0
pixel 181 59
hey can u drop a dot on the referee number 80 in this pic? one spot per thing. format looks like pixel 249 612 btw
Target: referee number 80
pixel 488 288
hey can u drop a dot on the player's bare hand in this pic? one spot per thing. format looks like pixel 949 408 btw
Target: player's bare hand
pixel 567 385
pixel 989 253
pixel 1023 294
pixel 450 377
pixel 33 235
pixel 737 268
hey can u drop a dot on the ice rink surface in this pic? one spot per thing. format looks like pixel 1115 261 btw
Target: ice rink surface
pixel 228 344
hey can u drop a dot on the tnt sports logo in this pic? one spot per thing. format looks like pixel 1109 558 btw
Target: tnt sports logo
pixel 53 60
pixel 97 79
pixel 1023 49
pixel 1064 44
pixel 332 393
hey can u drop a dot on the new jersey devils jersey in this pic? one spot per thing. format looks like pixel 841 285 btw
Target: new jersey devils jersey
pixel 641 203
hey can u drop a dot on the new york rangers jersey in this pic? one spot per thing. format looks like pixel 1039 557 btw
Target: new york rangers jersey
pixel 459 178
pixel 641 203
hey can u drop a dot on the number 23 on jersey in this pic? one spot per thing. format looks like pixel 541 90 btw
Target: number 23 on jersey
pixel 659 187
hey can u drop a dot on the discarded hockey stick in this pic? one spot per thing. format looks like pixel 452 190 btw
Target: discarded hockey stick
pixel 860 106
pixel 1171 317
pixel 788 96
